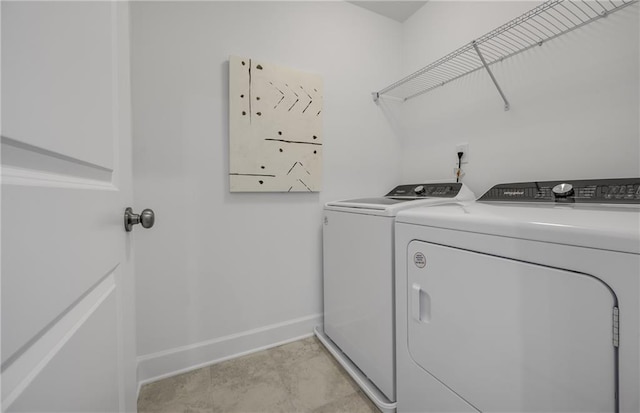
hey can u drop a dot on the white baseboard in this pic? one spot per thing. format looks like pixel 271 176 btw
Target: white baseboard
pixel 156 366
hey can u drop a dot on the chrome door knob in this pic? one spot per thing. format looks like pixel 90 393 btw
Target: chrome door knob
pixel 146 219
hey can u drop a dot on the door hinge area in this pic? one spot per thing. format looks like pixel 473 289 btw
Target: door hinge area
pixel 616 327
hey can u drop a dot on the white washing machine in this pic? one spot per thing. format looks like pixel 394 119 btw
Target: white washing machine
pixel 358 257
pixel 524 301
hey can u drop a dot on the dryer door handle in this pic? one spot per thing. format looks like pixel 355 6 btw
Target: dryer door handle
pixel 420 304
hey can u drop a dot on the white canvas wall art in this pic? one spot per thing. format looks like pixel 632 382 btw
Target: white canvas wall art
pixel 275 128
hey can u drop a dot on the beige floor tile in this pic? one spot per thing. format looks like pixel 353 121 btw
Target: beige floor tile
pixel 353 403
pixel 265 395
pixel 194 403
pixel 243 371
pixel 315 382
pixel 299 377
pixel 296 351
pixel 188 392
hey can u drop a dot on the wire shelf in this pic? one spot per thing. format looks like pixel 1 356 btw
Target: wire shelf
pixel 540 24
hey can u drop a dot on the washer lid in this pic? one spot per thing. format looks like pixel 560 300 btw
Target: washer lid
pixel 378 206
pixel 405 196
pixel 371 202
pixel 602 227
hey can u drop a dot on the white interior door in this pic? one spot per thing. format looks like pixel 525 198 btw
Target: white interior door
pixel 509 336
pixel 68 337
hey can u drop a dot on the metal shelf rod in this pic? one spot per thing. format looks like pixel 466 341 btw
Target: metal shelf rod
pixel 493 78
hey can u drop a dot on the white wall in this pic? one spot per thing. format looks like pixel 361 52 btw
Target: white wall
pixel 223 273
pixel 574 101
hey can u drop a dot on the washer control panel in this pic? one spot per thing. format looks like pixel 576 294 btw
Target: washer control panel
pixel 440 190
pixel 599 191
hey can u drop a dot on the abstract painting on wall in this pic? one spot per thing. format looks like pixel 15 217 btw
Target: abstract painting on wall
pixel 275 128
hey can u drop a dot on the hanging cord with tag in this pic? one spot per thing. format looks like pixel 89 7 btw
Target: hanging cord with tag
pixel 459 171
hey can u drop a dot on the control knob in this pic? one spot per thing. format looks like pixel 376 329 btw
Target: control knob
pixel 419 190
pixel 563 190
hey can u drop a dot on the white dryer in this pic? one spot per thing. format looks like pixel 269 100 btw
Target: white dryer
pixel 358 258
pixel 525 301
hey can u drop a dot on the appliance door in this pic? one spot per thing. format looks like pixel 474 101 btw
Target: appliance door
pixel 507 335
pixel 358 292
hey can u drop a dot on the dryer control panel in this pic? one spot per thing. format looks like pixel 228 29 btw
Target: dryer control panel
pixel 597 191
pixel 417 191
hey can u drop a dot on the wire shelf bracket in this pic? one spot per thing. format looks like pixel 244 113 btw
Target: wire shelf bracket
pixel 493 78
pixel 545 22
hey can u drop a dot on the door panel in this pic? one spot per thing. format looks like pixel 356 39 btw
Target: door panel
pixel 68 338
pixel 92 370
pixel 58 62
pixel 70 249
pixel 511 336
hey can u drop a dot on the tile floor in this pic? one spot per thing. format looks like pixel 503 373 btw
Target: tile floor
pixel 296 377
